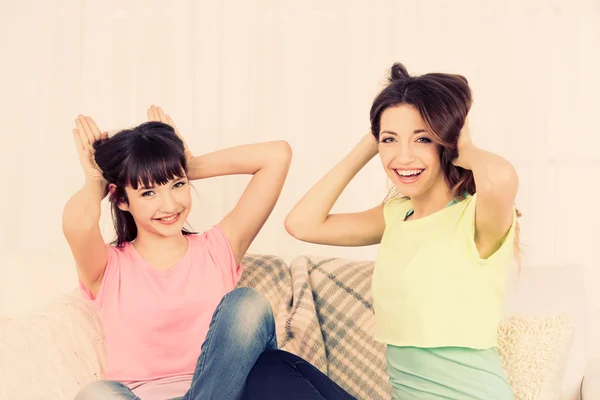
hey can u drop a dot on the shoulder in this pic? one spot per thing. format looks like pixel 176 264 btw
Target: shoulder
pixel 468 207
pixel 214 248
pixel 214 241
pixel 466 226
pixel 214 236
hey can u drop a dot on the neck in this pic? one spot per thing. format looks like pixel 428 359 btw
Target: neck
pixel 160 251
pixel 432 201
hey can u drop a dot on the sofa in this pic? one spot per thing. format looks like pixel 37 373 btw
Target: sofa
pixel 323 312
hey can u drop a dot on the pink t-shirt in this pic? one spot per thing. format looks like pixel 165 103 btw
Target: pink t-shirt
pixel 155 322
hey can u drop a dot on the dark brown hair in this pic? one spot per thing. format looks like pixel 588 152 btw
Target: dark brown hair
pixel 148 154
pixel 443 100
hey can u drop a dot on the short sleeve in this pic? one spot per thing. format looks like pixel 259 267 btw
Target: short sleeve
pixel 108 278
pixel 395 209
pixel 504 253
pixel 220 250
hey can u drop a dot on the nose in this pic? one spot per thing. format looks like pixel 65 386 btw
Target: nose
pixel 168 204
pixel 404 154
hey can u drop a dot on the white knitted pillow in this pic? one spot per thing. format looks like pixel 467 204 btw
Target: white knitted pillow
pixel 52 353
pixel 534 352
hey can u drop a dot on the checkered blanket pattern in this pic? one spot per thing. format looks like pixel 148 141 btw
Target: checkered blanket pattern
pixel 342 295
pixel 324 314
pixel 291 297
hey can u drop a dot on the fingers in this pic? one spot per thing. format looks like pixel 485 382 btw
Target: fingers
pixel 162 116
pixel 150 114
pixel 87 128
pixel 78 142
pixel 154 114
pixel 93 127
pixel 86 140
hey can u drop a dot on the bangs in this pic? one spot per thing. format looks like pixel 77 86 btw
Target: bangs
pixel 153 164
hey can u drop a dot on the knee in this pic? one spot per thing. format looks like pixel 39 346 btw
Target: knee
pixel 101 390
pixel 271 360
pixel 269 366
pixel 248 307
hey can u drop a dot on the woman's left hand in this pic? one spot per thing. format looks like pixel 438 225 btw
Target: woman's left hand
pixel 464 143
pixel 157 114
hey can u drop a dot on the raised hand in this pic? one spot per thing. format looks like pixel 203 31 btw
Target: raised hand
pixel 85 135
pixel 157 114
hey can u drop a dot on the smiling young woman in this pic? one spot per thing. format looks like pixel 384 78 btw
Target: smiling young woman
pixel 446 239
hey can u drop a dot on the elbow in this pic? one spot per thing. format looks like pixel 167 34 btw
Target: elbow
pixel 293 228
pixel 281 152
pixel 290 227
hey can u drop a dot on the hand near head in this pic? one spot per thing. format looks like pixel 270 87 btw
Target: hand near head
pixel 157 114
pixel 85 135
pixel 464 142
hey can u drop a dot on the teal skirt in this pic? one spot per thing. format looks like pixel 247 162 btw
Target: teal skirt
pixel 455 373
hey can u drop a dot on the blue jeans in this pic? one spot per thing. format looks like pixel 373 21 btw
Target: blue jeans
pixel 242 328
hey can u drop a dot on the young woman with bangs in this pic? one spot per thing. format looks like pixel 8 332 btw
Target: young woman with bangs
pixel 174 324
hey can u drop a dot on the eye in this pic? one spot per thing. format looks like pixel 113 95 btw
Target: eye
pixel 179 185
pixel 423 139
pixel 387 139
pixel 147 193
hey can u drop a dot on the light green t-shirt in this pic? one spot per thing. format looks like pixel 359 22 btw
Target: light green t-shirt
pixel 430 286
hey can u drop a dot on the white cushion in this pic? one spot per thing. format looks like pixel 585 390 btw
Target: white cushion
pixel 555 290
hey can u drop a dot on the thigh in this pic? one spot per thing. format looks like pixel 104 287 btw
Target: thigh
pixel 280 374
pixel 106 390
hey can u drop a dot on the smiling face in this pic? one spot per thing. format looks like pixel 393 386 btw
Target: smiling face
pixel 408 153
pixel 159 210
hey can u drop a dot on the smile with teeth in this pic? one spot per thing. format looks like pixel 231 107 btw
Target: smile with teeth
pixel 409 172
pixel 169 219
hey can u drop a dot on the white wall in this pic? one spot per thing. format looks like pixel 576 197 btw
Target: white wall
pixel 238 72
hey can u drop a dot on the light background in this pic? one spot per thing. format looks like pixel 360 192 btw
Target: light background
pixel 235 72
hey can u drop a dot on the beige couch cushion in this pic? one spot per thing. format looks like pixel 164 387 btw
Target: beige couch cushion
pixel 52 353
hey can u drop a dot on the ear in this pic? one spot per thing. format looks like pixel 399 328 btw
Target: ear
pixel 122 205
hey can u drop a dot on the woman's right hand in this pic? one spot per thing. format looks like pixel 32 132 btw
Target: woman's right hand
pixel 85 135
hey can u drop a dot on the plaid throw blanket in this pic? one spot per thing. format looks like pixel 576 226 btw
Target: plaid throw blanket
pixel 323 312
pixel 291 297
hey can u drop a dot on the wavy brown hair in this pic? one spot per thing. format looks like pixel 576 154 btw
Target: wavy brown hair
pixel 443 101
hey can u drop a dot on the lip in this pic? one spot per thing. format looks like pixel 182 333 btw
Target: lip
pixel 170 222
pixel 406 180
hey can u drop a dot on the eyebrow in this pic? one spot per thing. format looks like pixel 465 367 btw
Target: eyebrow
pixel 152 186
pixel 395 134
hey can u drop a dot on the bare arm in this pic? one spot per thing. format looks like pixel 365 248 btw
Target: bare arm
pixel 81 214
pixel 310 220
pixel 497 185
pixel 269 164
